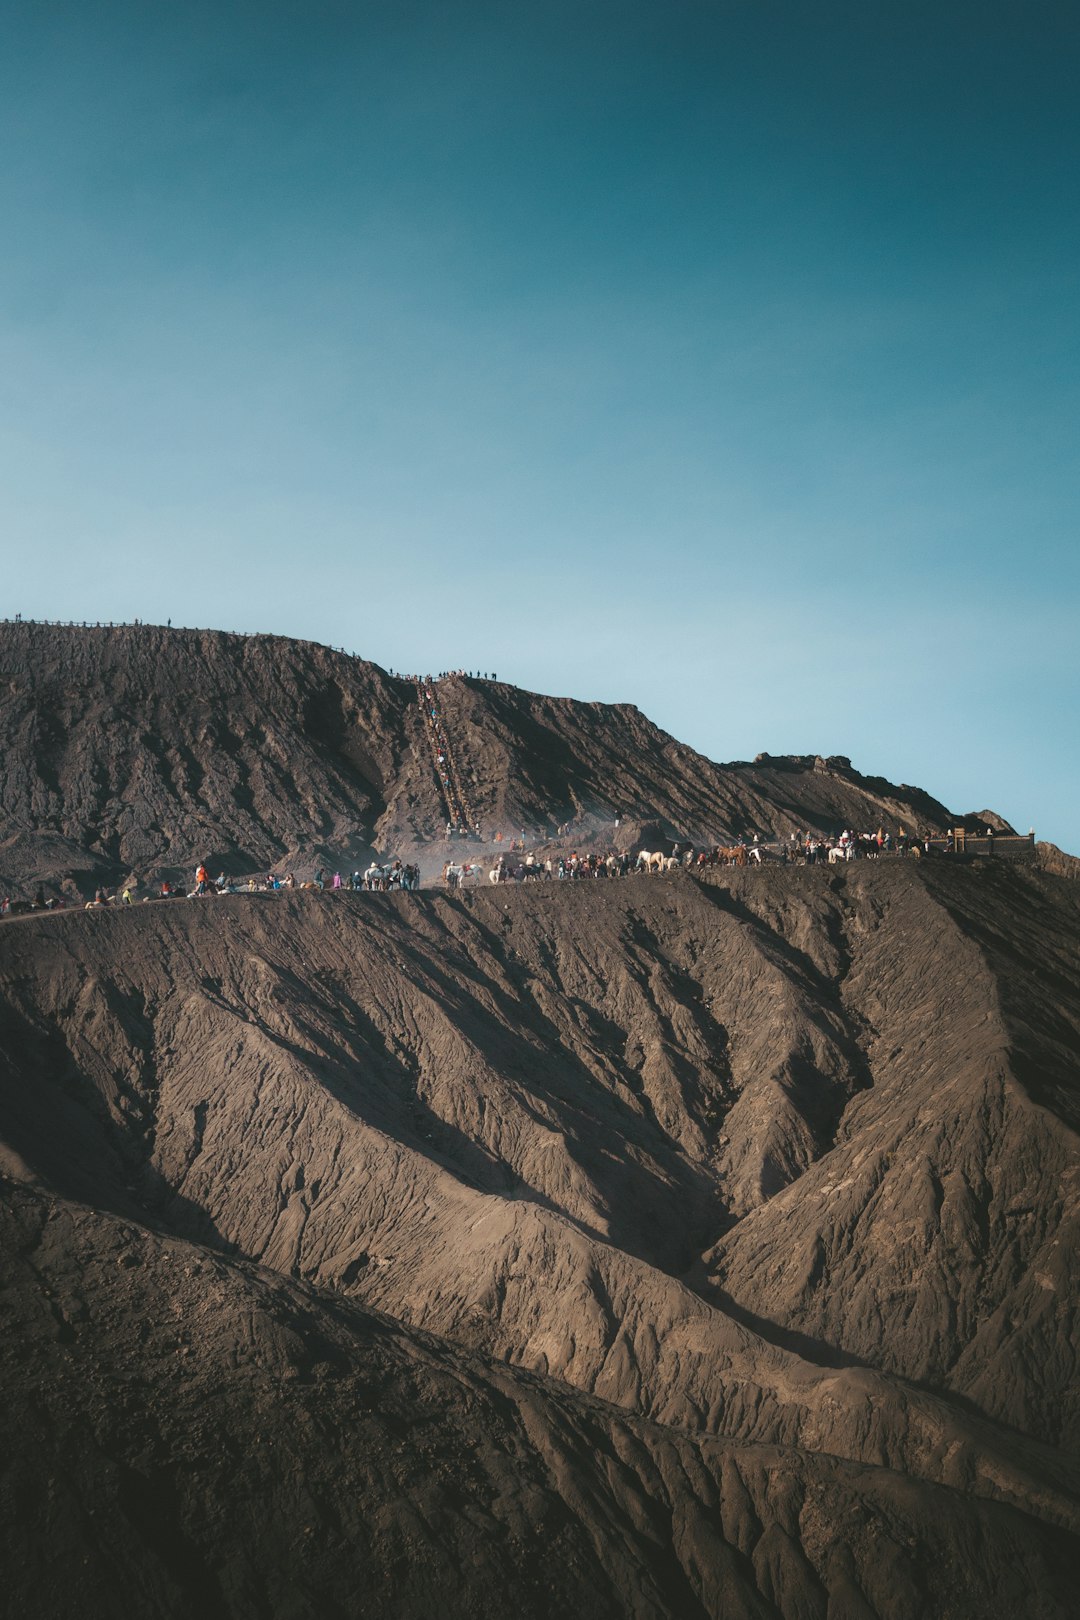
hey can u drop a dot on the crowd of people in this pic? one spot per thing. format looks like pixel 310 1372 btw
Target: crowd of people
pixel 457 874
pixel 616 863
pixel 849 845
pixel 460 819
pixel 516 866
pixel 392 875
pixel 445 675
pixel 378 876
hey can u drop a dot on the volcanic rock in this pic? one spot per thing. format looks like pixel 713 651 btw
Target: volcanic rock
pixel 509 1124
pixel 666 1246
pixel 138 752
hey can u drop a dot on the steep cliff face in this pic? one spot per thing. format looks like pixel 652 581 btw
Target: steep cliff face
pixel 740 1215
pixel 140 751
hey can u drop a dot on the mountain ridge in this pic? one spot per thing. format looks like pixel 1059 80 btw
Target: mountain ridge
pixel 682 1246
pixel 140 751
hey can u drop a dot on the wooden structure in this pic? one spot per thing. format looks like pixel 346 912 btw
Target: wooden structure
pixel 1007 846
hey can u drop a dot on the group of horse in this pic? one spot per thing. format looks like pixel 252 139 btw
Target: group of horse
pixel 690 860
pixel 615 865
pixel 527 871
pixel 656 861
pixel 561 867
pixel 392 875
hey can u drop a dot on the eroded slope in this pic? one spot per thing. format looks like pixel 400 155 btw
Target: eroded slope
pixel 138 751
pixel 939 1238
pixel 185 1435
pixel 516 1119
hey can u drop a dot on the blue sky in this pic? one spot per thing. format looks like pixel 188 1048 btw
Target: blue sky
pixel 720 358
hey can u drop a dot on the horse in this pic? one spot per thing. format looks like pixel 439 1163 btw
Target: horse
pixel 732 855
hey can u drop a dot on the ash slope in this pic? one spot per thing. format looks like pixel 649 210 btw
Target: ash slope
pixel 141 751
pixel 517 1122
pixel 186 1436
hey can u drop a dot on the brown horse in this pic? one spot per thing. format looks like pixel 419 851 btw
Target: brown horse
pixel 735 855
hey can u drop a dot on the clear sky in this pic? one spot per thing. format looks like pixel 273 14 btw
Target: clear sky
pixel 716 357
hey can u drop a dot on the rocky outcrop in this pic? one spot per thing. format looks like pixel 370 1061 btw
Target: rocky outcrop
pixel 1052 859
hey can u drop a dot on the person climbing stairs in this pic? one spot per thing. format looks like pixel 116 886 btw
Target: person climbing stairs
pixel 459 815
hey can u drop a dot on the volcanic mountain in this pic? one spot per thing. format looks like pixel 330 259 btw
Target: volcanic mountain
pixel 139 751
pixel 663 1246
